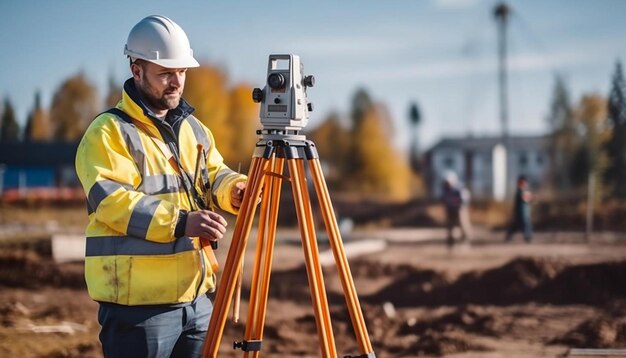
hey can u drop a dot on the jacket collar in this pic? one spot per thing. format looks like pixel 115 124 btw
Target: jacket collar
pixel 137 109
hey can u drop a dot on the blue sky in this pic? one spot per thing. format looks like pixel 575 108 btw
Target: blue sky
pixel 440 53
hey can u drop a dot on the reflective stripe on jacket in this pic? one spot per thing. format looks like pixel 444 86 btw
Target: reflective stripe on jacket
pixel 134 197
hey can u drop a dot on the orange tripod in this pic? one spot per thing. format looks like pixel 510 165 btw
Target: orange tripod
pixel 266 174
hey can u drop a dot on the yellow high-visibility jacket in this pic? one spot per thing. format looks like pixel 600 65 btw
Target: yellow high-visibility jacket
pixel 135 195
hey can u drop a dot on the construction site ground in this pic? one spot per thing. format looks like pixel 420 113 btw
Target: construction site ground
pixel 485 299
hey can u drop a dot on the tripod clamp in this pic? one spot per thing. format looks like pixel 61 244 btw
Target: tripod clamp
pixel 248 346
pixel 291 145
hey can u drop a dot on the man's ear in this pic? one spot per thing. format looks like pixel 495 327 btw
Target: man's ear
pixel 136 70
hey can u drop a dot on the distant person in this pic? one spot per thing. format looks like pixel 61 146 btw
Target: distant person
pixel 521 211
pixel 152 172
pixel 455 199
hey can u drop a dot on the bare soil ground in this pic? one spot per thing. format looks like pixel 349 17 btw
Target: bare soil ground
pixel 419 299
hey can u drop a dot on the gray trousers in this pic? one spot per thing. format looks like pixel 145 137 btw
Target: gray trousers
pixel 154 331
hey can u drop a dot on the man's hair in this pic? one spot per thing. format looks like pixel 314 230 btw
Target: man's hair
pixel 522 178
pixel 137 61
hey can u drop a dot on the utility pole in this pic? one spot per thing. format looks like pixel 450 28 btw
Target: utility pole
pixel 501 13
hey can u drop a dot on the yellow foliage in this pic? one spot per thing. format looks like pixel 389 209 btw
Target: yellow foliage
pixel 230 113
pixel 205 89
pixel 39 126
pixel 243 119
pixel 592 113
pixel 332 141
pixel 381 170
pixel 74 106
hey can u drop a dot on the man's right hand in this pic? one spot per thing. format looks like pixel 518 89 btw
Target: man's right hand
pixel 205 223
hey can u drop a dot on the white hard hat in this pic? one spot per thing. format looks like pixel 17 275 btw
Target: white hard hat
pixel 159 40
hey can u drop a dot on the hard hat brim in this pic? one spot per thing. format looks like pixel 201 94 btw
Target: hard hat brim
pixel 176 63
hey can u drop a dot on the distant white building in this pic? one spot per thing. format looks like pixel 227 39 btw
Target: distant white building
pixel 485 166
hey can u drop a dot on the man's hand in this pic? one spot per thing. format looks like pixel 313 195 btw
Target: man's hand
pixel 205 223
pixel 527 196
pixel 236 194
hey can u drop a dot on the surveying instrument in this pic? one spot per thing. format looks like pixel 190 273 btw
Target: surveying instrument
pixel 284 112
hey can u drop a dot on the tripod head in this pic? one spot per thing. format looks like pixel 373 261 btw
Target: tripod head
pixel 284 106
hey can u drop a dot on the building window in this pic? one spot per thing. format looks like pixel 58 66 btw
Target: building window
pixel 523 160
pixel 539 160
pixel 448 162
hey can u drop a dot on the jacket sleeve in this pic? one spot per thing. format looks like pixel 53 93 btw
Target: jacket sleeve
pixel 222 179
pixel 110 178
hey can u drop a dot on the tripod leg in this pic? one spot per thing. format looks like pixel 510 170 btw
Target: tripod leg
pixel 311 256
pixel 352 301
pixel 264 253
pixel 235 257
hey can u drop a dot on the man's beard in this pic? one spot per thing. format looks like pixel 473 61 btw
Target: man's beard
pixel 154 100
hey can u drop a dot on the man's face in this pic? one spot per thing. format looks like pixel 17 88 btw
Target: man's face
pixel 161 87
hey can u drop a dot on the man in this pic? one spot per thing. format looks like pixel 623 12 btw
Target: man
pixel 521 211
pixel 455 198
pixel 151 172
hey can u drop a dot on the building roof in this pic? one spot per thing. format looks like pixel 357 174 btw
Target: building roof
pixel 37 154
pixel 487 143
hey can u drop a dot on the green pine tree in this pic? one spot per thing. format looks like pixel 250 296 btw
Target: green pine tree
pixel 616 148
pixel 9 129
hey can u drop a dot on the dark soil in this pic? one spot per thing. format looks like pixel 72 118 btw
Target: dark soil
pixel 552 302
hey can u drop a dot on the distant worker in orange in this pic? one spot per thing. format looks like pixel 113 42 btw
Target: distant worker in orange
pixel 152 175
pixel 521 220
pixel 455 199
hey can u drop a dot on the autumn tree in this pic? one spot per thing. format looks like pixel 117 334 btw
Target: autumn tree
pixel 616 146
pixel 74 105
pixel 361 104
pixel 377 167
pixel 563 137
pixel 332 141
pixel 590 157
pixel 9 129
pixel 243 120
pixel 38 126
pixel 206 90
pixel 114 93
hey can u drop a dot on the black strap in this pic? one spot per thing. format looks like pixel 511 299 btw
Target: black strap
pixel 189 187
pixel 118 112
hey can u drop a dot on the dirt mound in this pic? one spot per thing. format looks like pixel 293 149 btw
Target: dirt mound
pixel 29 269
pixel 290 285
pixel 287 335
pixel 602 332
pixel 474 319
pixel 410 286
pixel 448 333
pixel 83 350
pixel 365 269
pixel 593 284
pixel 519 281
pixel 445 335
pixel 293 285
pixel 496 286
pixel 511 283
pixel 440 343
